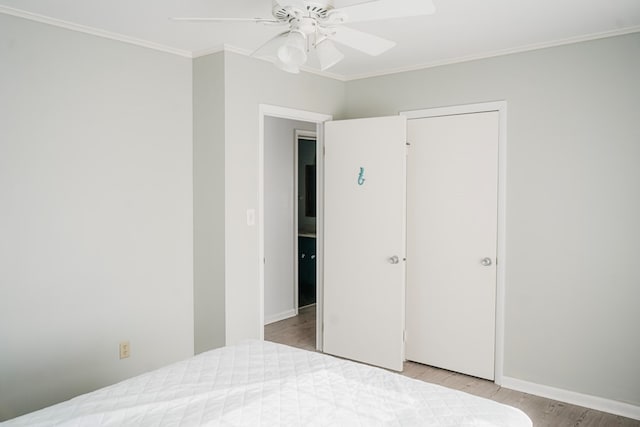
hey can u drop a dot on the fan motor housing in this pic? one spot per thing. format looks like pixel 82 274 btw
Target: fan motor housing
pixel 315 8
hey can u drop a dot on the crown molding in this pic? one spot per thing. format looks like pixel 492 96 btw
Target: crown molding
pixel 93 31
pixel 496 53
pixel 208 51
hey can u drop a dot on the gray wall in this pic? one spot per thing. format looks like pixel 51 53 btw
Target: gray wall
pixel 573 202
pixel 250 82
pixel 208 193
pixel 96 212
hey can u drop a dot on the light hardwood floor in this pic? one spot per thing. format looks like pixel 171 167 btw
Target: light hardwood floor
pixel 300 332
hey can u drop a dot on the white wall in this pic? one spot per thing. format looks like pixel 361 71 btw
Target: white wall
pixel 208 193
pixel 280 234
pixel 249 83
pixel 573 202
pixel 96 212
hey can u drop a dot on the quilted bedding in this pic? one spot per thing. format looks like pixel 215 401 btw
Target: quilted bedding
pixel 260 383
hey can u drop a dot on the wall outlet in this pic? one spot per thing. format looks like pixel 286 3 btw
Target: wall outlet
pixel 125 349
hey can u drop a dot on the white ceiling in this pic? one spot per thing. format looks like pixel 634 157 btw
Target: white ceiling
pixel 459 30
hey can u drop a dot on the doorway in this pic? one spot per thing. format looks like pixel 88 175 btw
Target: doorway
pixel 306 208
pixel 278 219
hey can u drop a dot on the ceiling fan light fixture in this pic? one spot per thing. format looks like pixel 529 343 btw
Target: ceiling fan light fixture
pixel 289 68
pixel 293 51
pixel 328 54
pixel 318 24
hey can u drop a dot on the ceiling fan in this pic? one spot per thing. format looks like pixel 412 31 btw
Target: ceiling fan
pixel 314 26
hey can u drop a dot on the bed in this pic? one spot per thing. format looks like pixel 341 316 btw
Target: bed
pixel 259 383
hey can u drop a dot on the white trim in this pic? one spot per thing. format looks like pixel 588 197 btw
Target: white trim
pixel 306 116
pixel 293 114
pixel 320 236
pixel 501 257
pixel 501 52
pixel 279 316
pixel 296 224
pixel 309 305
pixel 211 51
pixel 314 71
pixel 94 31
pixel 574 398
pixel 404 240
pixel 501 108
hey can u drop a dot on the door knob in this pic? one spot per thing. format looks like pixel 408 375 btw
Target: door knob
pixel 394 259
pixel 486 262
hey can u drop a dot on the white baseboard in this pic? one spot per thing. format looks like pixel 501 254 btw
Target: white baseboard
pixel 279 316
pixel 592 402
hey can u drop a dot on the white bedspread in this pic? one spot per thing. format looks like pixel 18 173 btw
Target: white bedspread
pixel 265 384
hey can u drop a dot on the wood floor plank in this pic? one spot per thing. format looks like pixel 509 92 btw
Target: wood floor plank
pixel 300 331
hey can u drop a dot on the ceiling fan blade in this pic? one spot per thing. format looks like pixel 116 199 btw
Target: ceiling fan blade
pixel 386 9
pixel 256 20
pixel 364 42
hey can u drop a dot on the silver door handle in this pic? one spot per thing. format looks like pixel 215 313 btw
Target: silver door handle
pixel 394 259
pixel 486 262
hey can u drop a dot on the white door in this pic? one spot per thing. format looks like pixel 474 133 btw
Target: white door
pixel 452 197
pixel 364 237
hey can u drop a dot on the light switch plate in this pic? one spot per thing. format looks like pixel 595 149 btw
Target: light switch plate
pixel 251 217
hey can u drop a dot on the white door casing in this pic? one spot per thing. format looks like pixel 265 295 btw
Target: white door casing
pixel 452 193
pixel 364 229
pixel 291 114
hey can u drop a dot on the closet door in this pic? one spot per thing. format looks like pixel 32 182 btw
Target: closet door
pixel 452 203
pixel 364 240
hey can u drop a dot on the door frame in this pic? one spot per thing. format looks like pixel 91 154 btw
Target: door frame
pixel 299 134
pixel 501 258
pixel 266 110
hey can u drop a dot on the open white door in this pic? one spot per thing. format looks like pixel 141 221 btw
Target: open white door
pixel 364 235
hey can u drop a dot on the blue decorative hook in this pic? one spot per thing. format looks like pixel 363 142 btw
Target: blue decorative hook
pixel 361 177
